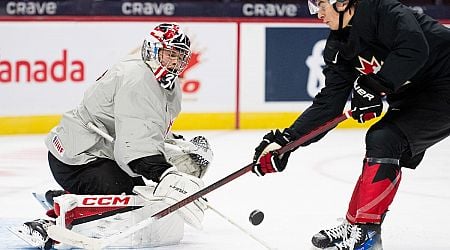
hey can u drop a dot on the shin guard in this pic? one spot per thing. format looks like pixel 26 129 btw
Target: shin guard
pixel 374 191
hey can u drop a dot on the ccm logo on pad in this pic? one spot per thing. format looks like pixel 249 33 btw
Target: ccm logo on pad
pixel 106 201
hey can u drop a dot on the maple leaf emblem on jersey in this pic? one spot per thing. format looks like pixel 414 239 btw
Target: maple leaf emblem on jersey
pixel 367 67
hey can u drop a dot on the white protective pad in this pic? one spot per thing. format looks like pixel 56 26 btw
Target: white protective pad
pixel 175 186
pixel 168 230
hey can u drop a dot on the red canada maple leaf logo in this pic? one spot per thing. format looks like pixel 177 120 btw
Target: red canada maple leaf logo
pixel 369 67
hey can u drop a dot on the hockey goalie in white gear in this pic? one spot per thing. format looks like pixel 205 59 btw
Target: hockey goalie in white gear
pixel 100 216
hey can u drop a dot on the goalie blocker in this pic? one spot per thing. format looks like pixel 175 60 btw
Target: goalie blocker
pixel 100 216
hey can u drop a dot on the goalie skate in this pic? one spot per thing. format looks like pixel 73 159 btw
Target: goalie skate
pixel 34 233
pixel 46 200
pixel 43 201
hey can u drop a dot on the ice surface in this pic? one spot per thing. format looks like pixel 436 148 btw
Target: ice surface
pixel 311 194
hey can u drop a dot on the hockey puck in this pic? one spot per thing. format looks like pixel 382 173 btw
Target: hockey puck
pixel 256 217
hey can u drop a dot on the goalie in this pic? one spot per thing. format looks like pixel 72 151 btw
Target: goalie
pixel 100 216
pixel 135 102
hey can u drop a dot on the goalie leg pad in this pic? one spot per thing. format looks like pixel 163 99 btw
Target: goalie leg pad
pixel 100 216
pixel 165 231
pixel 175 186
pixel 374 191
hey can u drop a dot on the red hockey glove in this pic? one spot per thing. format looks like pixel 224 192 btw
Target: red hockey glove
pixel 265 158
pixel 271 162
pixel 366 102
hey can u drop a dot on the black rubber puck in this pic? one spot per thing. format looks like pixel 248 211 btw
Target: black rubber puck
pixel 256 217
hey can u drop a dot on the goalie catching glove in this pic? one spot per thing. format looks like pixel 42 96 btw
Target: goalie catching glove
pixel 191 157
pixel 266 159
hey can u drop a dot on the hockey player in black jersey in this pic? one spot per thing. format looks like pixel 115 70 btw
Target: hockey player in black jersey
pixel 376 49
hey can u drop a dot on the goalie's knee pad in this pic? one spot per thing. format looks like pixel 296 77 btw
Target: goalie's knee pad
pixel 175 186
pixel 64 206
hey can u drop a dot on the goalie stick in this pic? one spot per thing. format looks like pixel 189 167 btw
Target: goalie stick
pixel 66 236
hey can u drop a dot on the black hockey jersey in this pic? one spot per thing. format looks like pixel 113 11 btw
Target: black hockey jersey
pixel 408 50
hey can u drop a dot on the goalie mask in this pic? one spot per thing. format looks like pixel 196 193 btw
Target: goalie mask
pixel 167 52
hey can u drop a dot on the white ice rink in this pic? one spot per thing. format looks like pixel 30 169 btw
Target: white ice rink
pixel 311 194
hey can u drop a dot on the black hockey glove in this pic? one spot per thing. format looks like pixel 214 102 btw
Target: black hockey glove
pixel 366 98
pixel 266 160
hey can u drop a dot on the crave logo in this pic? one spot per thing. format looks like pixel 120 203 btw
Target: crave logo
pixel 60 68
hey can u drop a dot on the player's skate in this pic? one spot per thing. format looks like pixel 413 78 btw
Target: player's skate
pixel 362 237
pixel 327 237
pixel 35 233
pixel 50 194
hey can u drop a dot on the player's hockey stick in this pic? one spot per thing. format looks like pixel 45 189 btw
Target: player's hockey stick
pixel 319 130
pixel 260 241
pixel 64 235
pixel 314 133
